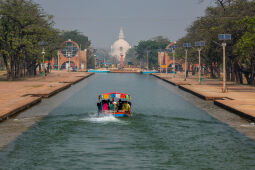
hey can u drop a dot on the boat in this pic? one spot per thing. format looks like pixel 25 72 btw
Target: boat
pixel 117 104
pixel 98 71
pixel 149 71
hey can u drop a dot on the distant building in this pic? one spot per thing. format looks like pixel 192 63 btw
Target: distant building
pixel 72 52
pixel 120 47
pixel 164 59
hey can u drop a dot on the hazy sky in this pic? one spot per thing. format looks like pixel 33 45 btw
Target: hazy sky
pixel 100 20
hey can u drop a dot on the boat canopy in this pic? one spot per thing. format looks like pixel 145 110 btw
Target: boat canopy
pixel 114 95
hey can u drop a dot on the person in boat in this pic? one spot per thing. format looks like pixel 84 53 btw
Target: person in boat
pixel 99 107
pixel 120 104
pixel 125 106
pixel 105 106
pixel 108 102
pixel 111 107
pixel 115 107
pixel 128 107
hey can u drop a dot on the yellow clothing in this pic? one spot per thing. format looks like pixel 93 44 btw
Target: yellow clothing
pixel 125 107
pixel 128 107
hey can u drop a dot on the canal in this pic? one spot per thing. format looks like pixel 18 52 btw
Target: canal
pixel 167 131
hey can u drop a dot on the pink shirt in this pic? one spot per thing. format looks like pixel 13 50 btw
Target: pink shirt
pixel 105 106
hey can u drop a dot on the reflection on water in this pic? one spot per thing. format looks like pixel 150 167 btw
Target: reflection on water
pixel 167 131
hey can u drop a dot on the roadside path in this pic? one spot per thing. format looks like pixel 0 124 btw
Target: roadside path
pixel 239 99
pixel 17 96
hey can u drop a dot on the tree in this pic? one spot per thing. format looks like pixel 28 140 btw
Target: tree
pixel 152 46
pixel 22 26
pixel 246 48
pixel 131 56
pixel 81 39
pixel 225 17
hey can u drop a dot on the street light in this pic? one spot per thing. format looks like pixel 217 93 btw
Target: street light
pixel 69 56
pixel 173 51
pixel 94 52
pixel 43 53
pixel 43 43
pixel 199 44
pixel 165 54
pixel 159 51
pixel 147 51
pixel 58 59
pixel 224 37
pixel 186 46
pixel 168 50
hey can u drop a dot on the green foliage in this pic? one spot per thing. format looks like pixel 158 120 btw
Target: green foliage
pixel 131 56
pixel 245 47
pixel 102 54
pixel 91 62
pixel 152 46
pixel 228 16
pixel 78 37
pixel 23 24
pixel 246 44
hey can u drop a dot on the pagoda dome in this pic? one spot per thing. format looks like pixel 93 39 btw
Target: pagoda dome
pixel 120 46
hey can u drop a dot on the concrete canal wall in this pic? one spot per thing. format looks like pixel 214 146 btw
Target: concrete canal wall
pixel 239 99
pixel 20 95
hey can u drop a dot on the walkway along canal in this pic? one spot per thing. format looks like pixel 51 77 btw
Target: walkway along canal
pixel 170 129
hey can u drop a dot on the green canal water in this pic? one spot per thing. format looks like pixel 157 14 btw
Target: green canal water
pixel 165 132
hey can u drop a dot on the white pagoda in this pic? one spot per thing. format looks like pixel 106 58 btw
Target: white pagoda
pixel 120 47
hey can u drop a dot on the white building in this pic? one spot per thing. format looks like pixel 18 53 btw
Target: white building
pixel 120 46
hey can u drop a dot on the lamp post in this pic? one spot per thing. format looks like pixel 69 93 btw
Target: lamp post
pixel 165 54
pixel 224 66
pixel 186 45
pixel 168 50
pixel 58 60
pixel 160 62
pixel 95 60
pixel 43 53
pixel 199 66
pixel 173 61
pixel 94 52
pixel 147 59
pixel 186 56
pixel 69 62
pixel 199 44
pixel 43 43
pixel 224 37
pixel 159 51
pixel 173 51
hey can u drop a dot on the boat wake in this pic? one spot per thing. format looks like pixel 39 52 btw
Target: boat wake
pixel 102 119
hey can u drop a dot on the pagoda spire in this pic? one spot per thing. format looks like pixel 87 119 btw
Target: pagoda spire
pixel 121 34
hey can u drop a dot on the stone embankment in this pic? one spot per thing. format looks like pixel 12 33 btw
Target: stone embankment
pixel 17 96
pixel 239 99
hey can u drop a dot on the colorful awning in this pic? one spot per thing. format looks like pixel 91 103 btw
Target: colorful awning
pixel 114 95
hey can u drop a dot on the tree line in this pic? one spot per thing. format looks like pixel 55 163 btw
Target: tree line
pixel 138 54
pixel 235 17
pixel 25 30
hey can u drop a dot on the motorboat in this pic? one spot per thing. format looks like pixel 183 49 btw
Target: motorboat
pixel 115 104
pixel 149 71
pixel 98 71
